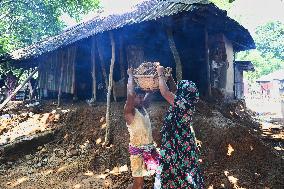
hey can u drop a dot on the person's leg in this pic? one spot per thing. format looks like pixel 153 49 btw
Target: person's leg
pixel 138 183
pixel 138 170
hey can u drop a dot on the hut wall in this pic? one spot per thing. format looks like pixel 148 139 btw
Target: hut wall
pixel 49 70
pixel 230 68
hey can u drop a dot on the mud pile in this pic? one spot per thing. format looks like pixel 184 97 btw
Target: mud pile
pixel 232 153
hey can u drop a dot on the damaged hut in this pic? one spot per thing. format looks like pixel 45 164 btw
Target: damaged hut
pixel 194 37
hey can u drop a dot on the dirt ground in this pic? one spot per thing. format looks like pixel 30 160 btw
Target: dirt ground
pixel 234 152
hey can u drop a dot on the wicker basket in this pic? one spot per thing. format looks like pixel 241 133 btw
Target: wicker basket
pixel 148 82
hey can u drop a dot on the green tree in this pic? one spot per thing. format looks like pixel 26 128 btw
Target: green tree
pixel 269 53
pixel 269 39
pixel 23 22
pixel 263 64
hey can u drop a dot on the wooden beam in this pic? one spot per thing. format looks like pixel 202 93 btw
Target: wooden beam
pixel 110 87
pixel 17 89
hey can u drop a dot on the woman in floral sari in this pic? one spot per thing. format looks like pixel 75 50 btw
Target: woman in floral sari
pixel 179 159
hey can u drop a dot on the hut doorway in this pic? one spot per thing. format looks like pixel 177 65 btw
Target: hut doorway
pixel 83 75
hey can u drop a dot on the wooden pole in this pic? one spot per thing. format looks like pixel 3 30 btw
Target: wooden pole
pixel 208 80
pixel 110 87
pixel 175 54
pixel 60 81
pixel 93 57
pixel 17 89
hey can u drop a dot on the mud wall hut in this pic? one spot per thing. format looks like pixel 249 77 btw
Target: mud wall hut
pixel 272 85
pixel 194 37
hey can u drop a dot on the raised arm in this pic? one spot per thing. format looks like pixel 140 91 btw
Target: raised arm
pixel 129 106
pixel 172 84
pixel 165 92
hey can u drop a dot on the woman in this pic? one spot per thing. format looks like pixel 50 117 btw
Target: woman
pixel 179 159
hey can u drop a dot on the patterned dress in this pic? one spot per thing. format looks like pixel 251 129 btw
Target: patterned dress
pixel 179 159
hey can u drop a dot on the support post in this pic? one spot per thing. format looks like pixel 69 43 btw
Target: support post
pixel 110 87
pixel 208 78
pixel 17 89
pixel 175 54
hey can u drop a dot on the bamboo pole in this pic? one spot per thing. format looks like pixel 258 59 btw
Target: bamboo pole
pixel 93 59
pixel 17 89
pixel 110 87
pixel 175 54
pixel 60 81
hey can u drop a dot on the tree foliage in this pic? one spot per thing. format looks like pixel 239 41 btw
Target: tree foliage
pixel 269 39
pixel 269 53
pixel 23 22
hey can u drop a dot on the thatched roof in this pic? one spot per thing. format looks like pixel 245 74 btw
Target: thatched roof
pixel 145 11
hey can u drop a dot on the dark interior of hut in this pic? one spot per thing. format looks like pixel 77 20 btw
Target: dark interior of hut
pixel 137 43
pixel 149 42
pixel 82 74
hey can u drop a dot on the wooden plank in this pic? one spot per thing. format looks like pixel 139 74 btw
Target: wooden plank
pixel 17 89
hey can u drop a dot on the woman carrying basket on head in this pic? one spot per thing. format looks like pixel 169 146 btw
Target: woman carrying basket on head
pixel 179 159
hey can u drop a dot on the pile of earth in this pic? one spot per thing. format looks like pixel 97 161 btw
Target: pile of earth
pixel 232 153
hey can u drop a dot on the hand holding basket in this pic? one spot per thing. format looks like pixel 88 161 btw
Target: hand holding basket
pixel 146 76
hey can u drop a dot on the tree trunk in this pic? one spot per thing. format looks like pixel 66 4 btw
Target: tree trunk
pixel 110 87
pixel 17 89
pixel 175 54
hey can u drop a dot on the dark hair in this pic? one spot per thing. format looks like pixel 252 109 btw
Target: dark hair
pixel 138 91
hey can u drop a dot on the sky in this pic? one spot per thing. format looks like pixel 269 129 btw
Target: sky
pixel 250 13
pixel 253 13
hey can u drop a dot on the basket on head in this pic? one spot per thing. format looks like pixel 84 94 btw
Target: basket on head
pixel 146 76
